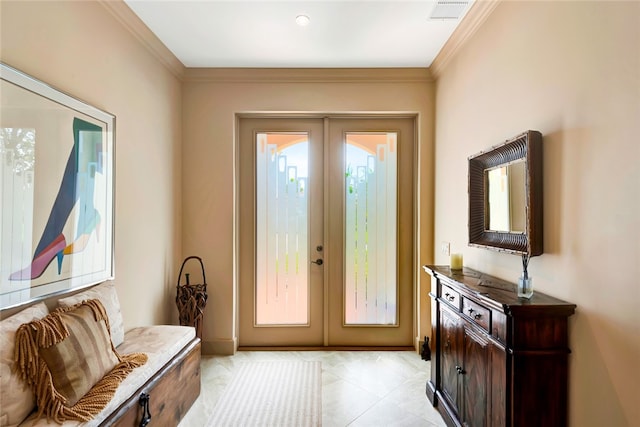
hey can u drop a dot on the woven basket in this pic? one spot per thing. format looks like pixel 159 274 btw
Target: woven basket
pixel 191 299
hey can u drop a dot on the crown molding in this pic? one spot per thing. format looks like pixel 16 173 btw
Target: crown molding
pixel 477 15
pixel 308 75
pixel 145 36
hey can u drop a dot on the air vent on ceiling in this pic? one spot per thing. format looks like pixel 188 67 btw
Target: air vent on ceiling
pixel 448 9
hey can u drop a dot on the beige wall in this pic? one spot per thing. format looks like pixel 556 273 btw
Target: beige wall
pixel 572 71
pixel 82 49
pixel 213 97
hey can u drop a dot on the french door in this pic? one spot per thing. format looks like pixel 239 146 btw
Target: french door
pixel 325 231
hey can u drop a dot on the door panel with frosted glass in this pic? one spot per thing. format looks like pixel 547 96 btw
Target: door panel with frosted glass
pixel 281 291
pixel 371 210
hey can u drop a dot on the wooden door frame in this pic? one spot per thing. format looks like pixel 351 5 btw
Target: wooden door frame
pixel 326 115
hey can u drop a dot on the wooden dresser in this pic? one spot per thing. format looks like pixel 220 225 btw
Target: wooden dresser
pixel 496 360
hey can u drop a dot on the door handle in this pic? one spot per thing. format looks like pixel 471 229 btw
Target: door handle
pixel 318 261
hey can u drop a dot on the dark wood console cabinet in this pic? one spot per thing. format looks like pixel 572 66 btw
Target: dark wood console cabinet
pixel 496 359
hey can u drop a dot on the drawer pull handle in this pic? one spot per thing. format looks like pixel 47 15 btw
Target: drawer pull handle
pixel 475 316
pixel 450 297
pixel 459 370
pixel 146 414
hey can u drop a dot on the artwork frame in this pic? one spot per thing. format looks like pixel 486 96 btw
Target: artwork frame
pixel 56 191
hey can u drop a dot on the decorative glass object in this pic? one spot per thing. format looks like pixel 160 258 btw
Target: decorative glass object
pixel 525 282
pixel 525 287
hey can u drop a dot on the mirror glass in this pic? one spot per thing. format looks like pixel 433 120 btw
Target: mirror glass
pixel 505 198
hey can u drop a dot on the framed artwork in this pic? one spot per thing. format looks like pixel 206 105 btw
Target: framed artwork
pixel 56 191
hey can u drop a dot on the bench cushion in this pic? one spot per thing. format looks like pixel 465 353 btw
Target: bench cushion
pixel 16 397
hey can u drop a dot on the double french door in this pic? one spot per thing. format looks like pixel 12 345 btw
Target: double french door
pixel 325 231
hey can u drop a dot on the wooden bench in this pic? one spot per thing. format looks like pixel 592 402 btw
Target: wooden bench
pixel 167 403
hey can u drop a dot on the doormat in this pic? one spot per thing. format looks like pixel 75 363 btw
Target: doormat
pixel 278 393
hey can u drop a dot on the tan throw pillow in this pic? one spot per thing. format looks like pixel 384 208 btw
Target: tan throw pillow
pixel 17 399
pixel 70 362
pixel 83 358
pixel 106 293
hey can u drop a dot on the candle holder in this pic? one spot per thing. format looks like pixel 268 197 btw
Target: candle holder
pixel 456 261
pixel 525 282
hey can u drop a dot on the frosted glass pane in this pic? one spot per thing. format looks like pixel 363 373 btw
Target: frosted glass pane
pixel 282 256
pixel 370 229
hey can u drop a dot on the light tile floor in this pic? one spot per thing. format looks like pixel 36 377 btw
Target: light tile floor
pixel 359 388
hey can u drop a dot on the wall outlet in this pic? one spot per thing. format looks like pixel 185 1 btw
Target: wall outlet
pixel 445 248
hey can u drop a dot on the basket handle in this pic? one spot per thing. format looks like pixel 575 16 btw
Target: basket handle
pixel 204 280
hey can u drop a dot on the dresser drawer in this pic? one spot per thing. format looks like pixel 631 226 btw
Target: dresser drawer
pixel 477 313
pixel 499 326
pixel 450 296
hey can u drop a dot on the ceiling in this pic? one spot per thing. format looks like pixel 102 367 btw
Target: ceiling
pixel 341 33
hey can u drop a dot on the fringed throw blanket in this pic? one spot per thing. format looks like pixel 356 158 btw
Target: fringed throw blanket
pixel 69 361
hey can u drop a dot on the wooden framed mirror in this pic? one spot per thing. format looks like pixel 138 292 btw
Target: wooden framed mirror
pixel 505 196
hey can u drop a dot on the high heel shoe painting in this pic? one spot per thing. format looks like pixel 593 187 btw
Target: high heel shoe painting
pixel 75 196
pixel 56 190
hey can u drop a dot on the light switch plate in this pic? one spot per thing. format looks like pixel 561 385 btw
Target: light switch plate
pixel 445 248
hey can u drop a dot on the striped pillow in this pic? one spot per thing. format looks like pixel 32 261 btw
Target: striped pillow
pixel 69 361
pixel 81 360
pixel 106 293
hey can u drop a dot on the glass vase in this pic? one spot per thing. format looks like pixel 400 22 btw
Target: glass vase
pixel 525 287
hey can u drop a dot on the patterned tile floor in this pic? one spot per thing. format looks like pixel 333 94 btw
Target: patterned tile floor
pixel 359 388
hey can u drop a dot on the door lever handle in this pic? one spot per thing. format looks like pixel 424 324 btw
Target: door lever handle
pixel 318 261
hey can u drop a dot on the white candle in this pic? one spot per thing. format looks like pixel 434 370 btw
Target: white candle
pixel 456 261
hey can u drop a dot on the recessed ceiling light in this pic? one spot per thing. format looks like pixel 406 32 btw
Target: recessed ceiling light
pixel 302 20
